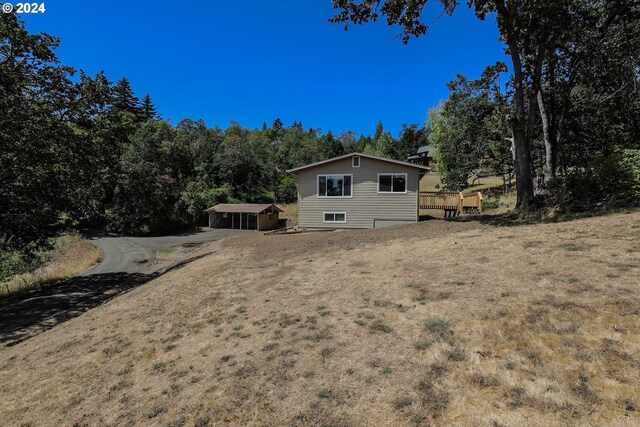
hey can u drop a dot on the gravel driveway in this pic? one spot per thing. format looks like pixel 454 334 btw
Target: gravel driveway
pixel 133 254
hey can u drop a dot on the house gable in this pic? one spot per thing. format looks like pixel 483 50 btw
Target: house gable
pixel 359 156
pixel 365 206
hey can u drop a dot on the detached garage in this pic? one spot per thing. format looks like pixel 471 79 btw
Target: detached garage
pixel 244 216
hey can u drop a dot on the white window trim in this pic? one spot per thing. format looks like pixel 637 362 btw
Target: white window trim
pixel 353 159
pixel 406 183
pixel 333 197
pixel 334 222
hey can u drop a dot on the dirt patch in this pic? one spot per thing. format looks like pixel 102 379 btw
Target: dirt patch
pixel 282 247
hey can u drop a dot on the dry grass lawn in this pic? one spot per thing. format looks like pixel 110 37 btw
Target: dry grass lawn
pixel 72 255
pixel 437 323
pixel 289 211
pixel 432 182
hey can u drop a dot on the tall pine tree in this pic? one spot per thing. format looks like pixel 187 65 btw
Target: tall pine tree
pixel 124 99
pixel 148 109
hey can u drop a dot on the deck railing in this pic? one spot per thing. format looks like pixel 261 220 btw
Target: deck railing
pixel 452 203
pixel 472 201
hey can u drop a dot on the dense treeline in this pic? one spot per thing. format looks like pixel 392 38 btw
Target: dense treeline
pixel 83 151
pixel 585 121
pixel 166 176
pixel 571 105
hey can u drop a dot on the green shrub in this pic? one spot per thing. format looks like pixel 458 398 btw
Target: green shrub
pixel 287 191
pixel 490 204
pixel 610 181
pixel 13 262
pixel 198 196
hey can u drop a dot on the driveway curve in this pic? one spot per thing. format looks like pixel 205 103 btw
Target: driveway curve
pixel 123 265
pixel 133 254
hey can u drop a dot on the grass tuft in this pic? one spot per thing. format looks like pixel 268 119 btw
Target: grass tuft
pixel 402 402
pixel 437 324
pixel 484 380
pixel 379 326
pixel 422 345
pixel 574 246
pixel 324 394
pixel 456 355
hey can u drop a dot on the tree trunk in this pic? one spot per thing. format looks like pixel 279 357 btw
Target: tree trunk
pixel 521 146
pixel 519 123
pixel 522 164
pixel 549 141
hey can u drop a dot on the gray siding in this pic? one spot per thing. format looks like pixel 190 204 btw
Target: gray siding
pixel 367 208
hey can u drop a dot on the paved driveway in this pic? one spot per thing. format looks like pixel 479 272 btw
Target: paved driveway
pixel 132 254
pixel 122 268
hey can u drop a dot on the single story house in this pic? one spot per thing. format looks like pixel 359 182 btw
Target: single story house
pixel 358 191
pixel 244 216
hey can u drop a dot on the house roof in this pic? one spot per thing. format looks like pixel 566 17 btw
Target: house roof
pixel 431 149
pixel 253 208
pixel 366 156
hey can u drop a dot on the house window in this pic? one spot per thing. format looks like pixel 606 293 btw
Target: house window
pixel 356 161
pixel 334 217
pixel 392 183
pixel 335 185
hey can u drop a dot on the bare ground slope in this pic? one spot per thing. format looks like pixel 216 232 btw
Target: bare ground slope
pixel 438 323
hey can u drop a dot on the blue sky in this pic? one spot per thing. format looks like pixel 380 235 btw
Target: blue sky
pixel 255 60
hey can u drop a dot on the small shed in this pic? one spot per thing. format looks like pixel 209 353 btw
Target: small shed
pixel 244 216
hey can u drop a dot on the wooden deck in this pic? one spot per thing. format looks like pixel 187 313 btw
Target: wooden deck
pixel 472 202
pixel 452 203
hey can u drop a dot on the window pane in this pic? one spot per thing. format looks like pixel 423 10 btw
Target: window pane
pixel 339 217
pixel 331 186
pixel 399 184
pixel 384 183
pixel 322 186
pixel 328 217
pixel 356 162
pixel 334 186
pixel 347 185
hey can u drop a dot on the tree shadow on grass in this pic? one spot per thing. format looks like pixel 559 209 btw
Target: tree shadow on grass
pixel 27 314
pixel 499 219
pixel 541 216
pixel 508 219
